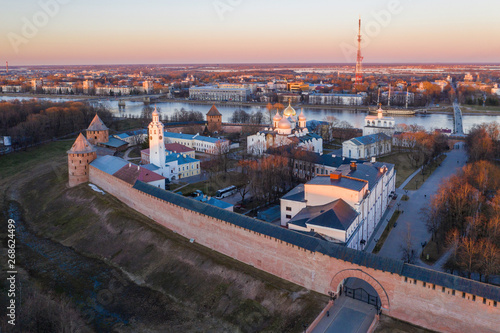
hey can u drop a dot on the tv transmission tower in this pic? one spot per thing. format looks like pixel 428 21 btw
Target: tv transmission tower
pixel 359 59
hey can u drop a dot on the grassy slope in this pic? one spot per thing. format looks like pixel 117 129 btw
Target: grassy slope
pixel 202 281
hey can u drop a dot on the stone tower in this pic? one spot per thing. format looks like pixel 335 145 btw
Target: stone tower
pixel 79 157
pixel 97 131
pixel 214 120
pixel 156 143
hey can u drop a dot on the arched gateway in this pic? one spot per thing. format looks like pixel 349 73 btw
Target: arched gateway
pixel 358 273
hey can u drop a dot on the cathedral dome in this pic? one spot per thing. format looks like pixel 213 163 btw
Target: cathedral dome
pixel 301 116
pixel 284 124
pixel 277 116
pixel 289 111
pixel 155 112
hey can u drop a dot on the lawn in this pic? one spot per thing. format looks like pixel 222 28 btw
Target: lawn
pixel 386 232
pixel 431 250
pixel 18 161
pixel 402 165
pixel 419 179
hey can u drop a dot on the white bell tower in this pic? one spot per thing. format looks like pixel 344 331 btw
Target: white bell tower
pixel 156 143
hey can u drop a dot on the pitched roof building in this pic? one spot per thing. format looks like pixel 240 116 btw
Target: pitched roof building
pixel 344 206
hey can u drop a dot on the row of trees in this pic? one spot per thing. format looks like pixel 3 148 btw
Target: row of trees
pixel 483 142
pixel 464 215
pixel 267 178
pixel 332 129
pixel 243 117
pixel 31 122
pixel 421 146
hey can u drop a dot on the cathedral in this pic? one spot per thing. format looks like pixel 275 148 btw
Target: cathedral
pixel 286 130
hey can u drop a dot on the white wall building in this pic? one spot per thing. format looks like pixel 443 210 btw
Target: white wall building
pixel 365 147
pixel 286 130
pixel 336 99
pixel 344 206
pixel 215 93
pixel 379 124
pixel 198 142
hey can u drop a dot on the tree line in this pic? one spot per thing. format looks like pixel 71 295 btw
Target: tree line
pixel 464 215
pixel 32 122
pixel 243 117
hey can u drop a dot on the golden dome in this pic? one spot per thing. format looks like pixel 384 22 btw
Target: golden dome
pixel 289 111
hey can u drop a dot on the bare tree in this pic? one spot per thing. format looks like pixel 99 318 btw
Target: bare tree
pixel 408 253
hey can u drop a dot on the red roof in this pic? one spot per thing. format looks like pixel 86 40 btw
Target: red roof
pixel 213 111
pixel 131 173
pixel 177 148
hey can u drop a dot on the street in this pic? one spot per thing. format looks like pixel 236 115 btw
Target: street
pixel 411 209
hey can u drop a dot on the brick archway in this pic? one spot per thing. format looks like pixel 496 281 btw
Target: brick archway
pixel 357 273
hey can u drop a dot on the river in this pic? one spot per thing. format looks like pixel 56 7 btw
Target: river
pixel 356 119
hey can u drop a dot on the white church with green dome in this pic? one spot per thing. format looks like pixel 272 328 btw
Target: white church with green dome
pixel 286 130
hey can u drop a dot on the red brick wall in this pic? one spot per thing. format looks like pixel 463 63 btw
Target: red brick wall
pixel 95 137
pixel 78 167
pixel 423 306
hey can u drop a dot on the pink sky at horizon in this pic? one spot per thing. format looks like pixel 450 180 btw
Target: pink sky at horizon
pixel 251 32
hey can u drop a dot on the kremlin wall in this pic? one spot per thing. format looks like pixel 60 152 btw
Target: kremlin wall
pixel 407 292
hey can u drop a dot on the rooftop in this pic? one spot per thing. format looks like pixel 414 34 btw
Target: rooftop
pixel 366 171
pixel 213 111
pixel 130 173
pixel 296 194
pixel 369 139
pixel 178 148
pixel 344 182
pixel 81 146
pixel 97 124
pixel 109 164
pixel 335 215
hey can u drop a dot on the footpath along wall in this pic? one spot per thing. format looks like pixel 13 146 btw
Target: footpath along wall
pixel 427 298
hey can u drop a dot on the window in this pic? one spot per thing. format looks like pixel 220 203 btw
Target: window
pixel 453 292
pixel 288 208
pixel 484 300
pixel 443 289
pixel 414 281
pixel 424 284
pixel 463 295
pixel 288 216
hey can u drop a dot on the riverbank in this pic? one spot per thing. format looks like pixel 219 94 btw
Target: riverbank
pixel 468 110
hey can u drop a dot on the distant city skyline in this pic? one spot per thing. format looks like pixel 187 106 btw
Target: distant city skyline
pixel 68 32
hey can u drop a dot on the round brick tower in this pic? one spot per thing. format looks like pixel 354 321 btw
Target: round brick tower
pixel 79 157
pixel 97 131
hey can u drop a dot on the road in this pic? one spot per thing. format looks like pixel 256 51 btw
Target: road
pixel 412 208
pixel 349 315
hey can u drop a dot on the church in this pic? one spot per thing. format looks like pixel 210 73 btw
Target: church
pixel 376 139
pixel 286 130
pixel 379 124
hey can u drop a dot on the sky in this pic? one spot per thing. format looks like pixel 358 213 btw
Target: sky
pixel 71 32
